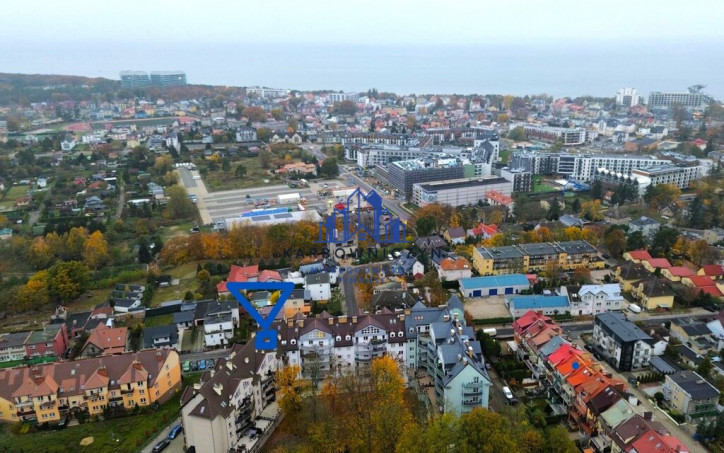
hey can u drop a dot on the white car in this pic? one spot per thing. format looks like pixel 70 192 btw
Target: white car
pixel 390 258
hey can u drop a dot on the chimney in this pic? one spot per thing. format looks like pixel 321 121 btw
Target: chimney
pixel 331 321
pixel 354 320
pixel 197 386
pixel 452 332
pixel 407 311
pixel 342 319
pixel 213 372
pixel 460 330
pixel 446 318
pixel 218 388
pixel 460 357
pixel 290 323
pixel 402 317
pixel 300 323
pixel 648 415
pixel 230 365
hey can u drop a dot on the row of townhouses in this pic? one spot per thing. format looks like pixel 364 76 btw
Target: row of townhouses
pixel 56 391
pixel 525 258
pixel 591 399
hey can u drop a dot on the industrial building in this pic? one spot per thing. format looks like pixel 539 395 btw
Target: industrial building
pixel 459 192
pixel 493 285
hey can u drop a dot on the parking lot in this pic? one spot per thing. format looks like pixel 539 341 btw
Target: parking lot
pixel 487 307
pixel 216 206
pixel 190 366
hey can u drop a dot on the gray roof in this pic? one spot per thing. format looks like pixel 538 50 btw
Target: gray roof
pixel 643 221
pixel 621 328
pixel 13 340
pixel 118 302
pixel 691 327
pixel 183 317
pixel 316 279
pixel 693 384
pixel 151 333
pixel 552 345
pixel 662 366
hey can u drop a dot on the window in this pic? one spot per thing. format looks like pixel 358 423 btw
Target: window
pixel 143 400
pixel 392 334
pixel 142 392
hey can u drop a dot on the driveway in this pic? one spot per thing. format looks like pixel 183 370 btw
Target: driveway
pixel 176 446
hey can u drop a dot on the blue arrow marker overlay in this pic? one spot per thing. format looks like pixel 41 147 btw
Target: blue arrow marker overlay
pixel 266 338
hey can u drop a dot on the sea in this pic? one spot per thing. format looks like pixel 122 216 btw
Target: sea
pixel 558 68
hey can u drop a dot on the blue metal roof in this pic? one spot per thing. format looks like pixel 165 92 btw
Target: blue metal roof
pixel 536 302
pixel 497 281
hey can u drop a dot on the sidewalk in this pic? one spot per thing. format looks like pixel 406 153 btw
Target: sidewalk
pixel 177 445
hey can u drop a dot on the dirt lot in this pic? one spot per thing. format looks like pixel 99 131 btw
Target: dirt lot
pixel 487 307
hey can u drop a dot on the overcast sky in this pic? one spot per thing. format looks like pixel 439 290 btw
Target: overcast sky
pixel 358 22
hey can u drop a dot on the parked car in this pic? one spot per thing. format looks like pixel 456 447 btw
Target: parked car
pixel 195 230
pixel 202 364
pixel 175 431
pixel 187 366
pixel 161 446
pixel 210 363
pixel 194 365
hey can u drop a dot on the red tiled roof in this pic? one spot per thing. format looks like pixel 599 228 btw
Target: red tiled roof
pixel 713 270
pixel 701 281
pixel 713 291
pixel 499 197
pixel 640 255
pixel 681 271
pixel 663 263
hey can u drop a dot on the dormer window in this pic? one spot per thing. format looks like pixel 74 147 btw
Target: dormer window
pixel 392 334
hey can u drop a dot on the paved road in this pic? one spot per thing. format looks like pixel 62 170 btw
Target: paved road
pixel 121 201
pixel 394 206
pixel 348 284
pixel 176 446
pixel 215 354
pixel 198 188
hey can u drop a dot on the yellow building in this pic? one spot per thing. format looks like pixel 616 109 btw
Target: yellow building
pixel 653 293
pixel 536 257
pixel 630 274
pixel 47 393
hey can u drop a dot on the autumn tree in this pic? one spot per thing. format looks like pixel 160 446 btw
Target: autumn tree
pixel 265 158
pixel 163 164
pixel 75 243
pixel 485 431
pixel 592 210
pixel 179 204
pixel 615 242
pixel 35 292
pixel 40 254
pixel 661 195
pixel 96 250
pixel 67 281
pixel 291 389
pixel 254 114
pixel 329 167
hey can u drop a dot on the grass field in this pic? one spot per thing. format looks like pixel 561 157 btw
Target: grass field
pixel 8 201
pixel 255 175
pixel 186 273
pixel 156 321
pixel 540 187
pixel 131 432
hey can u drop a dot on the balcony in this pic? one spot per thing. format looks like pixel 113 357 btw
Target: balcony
pixel 126 391
pixel 470 402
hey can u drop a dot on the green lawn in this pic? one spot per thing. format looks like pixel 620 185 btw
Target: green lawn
pixel 255 176
pixel 8 201
pixel 156 321
pixel 13 363
pixel 186 273
pixel 130 430
pixel 540 187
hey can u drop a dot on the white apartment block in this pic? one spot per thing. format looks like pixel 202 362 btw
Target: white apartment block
pixel 233 397
pixel 593 299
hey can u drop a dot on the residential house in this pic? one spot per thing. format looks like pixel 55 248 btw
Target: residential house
pixel 525 258
pixel 12 346
pixel 238 394
pixel 637 256
pixel 455 235
pixel 691 395
pixel 593 299
pixel 653 293
pixel 238 274
pixel 6 234
pixel 430 243
pixel 218 329
pixel 676 273
pixel 629 274
pixel 105 340
pixel 647 226
pixel 298 302
pixel 160 337
pixel 494 285
pixel 713 271
pixel 656 263
pixel 319 286
pixel 53 391
pixel 51 341
pixel 695 334
pixel 687 356
pixel 124 305
pixel 483 231
pixel 394 299
pixel 547 305
pixel 621 342
pixel 183 319
pixel 407 264
pixel 453 268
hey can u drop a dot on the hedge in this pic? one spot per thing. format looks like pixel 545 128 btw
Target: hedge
pixel 492 321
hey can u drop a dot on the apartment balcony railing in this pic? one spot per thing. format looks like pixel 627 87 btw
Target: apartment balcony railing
pixel 469 402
